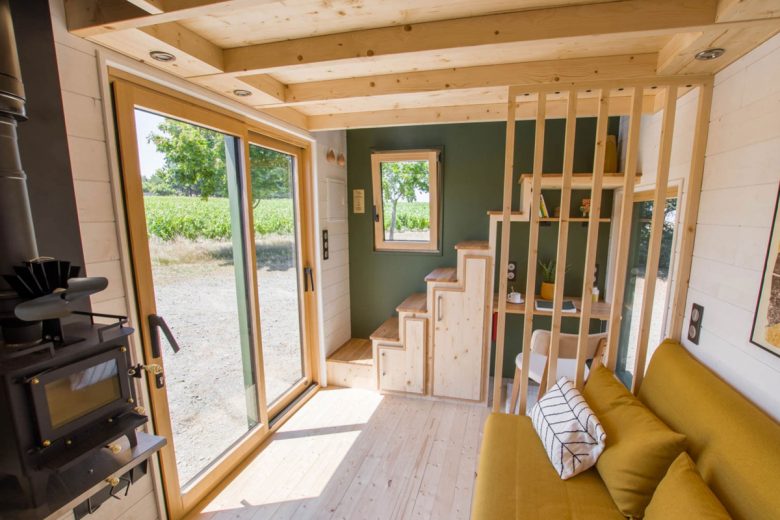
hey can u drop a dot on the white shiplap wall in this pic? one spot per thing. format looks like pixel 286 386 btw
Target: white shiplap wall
pixel 334 285
pixel 740 184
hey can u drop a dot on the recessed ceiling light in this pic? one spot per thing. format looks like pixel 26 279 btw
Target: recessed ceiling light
pixel 162 56
pixel 710 54
pixel 242 93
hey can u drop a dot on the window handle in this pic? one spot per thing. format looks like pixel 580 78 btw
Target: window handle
pixel 376 215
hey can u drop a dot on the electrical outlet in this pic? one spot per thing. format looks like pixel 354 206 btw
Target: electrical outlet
pixel 511 271
pixel 325 253
pixel 694 326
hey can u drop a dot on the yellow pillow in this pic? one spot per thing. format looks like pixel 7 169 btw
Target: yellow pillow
pixel 639 447
pixel 682 495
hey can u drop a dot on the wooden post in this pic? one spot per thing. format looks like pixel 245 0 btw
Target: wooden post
pixel 563 237
pixel 593 233
pixel 692 197
pixel 624 233
pixel 654 248
pixel 506 215
pixel 533 251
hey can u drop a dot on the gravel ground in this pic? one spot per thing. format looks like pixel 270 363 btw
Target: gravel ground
pixel 196 294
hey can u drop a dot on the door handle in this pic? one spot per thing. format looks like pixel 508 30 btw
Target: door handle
pixel 308 279
pixel 438 307
pixel 157 323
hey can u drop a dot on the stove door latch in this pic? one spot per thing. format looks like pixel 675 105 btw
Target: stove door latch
pixel 152 369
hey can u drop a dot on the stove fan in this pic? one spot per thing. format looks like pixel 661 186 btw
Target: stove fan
pixel 48 287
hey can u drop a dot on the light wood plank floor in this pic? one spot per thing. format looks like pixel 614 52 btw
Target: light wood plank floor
pixel 354 454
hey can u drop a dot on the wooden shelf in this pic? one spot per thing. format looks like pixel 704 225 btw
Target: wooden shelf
pixel 574 219
pixel 598 311
pixel 579 181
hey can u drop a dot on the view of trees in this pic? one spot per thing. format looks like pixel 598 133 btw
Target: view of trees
pixel 195 165
pixel 401 180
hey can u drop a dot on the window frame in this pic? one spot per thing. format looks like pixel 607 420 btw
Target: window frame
pixel 432 245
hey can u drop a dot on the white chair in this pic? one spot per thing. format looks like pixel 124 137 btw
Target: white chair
pixel 567 359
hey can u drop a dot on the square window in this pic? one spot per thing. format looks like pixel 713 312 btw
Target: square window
pixel 406 200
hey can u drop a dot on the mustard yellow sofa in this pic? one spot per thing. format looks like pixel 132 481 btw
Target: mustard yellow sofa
pixel 736 448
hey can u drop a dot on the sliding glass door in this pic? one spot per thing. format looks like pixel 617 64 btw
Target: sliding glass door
pixel 216 232
pixel 635 282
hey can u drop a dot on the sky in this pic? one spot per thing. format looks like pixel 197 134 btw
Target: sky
pixel 151 159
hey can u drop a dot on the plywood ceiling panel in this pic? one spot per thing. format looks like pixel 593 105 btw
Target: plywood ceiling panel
pixel 291 19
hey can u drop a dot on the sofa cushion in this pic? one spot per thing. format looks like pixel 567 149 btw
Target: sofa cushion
pixel 734 444
pixel 570 432
pixel 639 448
pixel 516 481
pixel 683 495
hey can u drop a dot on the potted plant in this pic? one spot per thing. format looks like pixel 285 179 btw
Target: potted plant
pixel 548 278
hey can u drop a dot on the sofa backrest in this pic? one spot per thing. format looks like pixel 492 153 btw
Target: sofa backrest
pixel 735 445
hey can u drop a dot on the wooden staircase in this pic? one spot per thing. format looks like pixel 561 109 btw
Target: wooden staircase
pixel 399 356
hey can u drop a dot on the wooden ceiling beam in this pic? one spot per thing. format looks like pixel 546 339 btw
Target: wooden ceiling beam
pixel 87 18
pixel 628 16
pixel 734 10
pixel 587 107
pixel 552 71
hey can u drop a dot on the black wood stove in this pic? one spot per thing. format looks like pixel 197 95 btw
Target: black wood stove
pixel 68 406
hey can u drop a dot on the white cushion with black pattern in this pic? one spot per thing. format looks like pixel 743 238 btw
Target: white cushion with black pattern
pixel 570 432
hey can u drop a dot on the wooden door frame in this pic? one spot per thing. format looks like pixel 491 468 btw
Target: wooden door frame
pixel 306 251
pixel 128 94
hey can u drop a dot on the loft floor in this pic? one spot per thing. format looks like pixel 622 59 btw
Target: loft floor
pixel 355 454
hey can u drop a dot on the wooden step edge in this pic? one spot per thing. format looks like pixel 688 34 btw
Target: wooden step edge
pixel 442 274
pixel 355 351
pixel 481 245
pixel 416 303
pixel 387 331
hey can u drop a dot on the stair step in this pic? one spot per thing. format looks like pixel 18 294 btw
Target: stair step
pixel 388 331
pixel 443 274
pixel 416 303
pixel 356 351
pixel 352 365
pixel 472 244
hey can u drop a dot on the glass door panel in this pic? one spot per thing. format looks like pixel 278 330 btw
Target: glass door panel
pixel 276 225
pixel 635 283
pixel 192 202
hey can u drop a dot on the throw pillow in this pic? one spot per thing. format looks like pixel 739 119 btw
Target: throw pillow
pixel 682 494
pixel 570 432
pixel 639 447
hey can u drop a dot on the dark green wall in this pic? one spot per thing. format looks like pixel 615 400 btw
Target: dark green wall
pixel 473 158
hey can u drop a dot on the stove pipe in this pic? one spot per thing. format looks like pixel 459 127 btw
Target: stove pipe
pixel 17 235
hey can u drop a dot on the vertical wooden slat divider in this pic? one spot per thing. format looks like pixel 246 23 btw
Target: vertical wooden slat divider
pixel 533 249
pixel 563 235
pixel 509 156
pixel 654 250
pixel 593 233
pixel 691 209
pixel 624 233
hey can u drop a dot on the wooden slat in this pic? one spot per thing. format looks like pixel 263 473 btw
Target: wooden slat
pixel 506 210
pixel 387 331
pixel 533 248
pixel 654 248
pixel 691 210
pixel 416 303
pixel 593 236
pixel 522 26
pixel 463 113
pixel 442 274
pixel 563 235
pixel 624 229
pixel 551 71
